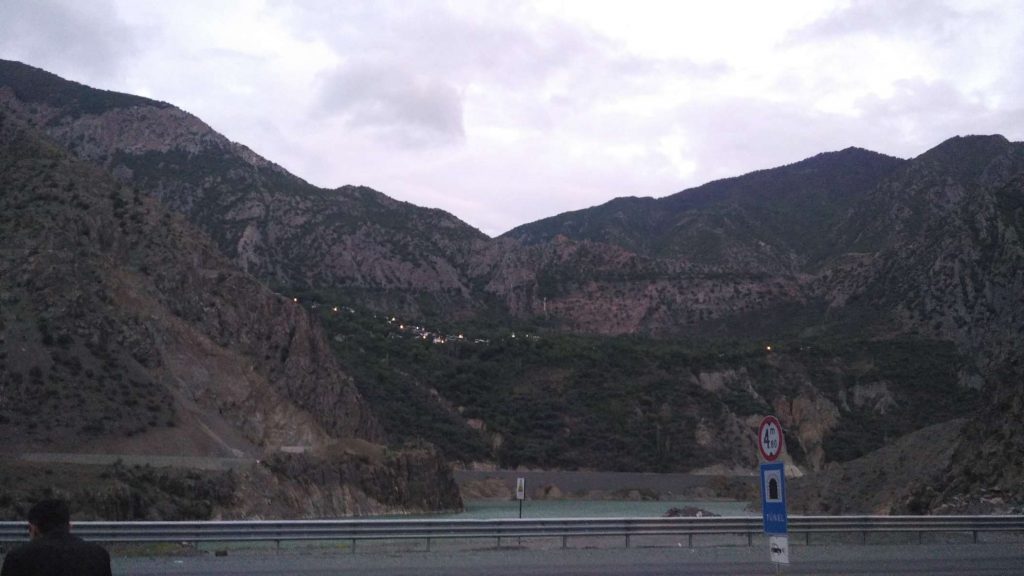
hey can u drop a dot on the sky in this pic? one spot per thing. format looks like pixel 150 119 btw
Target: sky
pixel 505 112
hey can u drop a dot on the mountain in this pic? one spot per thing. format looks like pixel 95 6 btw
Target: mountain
pixel 770 220
pixel 949 262
pixel 857 296
pixel 272 224
pixel 124 331
pixel 929 250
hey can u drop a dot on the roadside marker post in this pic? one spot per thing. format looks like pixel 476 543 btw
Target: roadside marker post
pixel 520 493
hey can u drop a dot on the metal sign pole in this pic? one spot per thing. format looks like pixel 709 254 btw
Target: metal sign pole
pixel 770 443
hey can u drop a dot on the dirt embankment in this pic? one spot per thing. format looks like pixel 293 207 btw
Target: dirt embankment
pixel 887 481
pixel 339 483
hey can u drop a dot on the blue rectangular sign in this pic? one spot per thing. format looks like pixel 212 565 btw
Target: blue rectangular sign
pixel 773 498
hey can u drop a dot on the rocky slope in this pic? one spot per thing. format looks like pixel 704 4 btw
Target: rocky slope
pixel 886 481
pixel 122 329
pixel 945 237
pixel 103 285
pixel 275 226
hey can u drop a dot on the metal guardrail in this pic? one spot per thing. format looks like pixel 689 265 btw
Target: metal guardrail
pixel 355 530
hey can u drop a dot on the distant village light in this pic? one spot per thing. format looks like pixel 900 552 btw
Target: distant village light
pixel 768 348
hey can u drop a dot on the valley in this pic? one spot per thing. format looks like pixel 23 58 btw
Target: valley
pixel 168 292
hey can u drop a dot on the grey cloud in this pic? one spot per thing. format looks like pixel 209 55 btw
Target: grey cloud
pixel 923 113
pixel 928 18
pixel 435 39
pixel 504 49
pixel 86 40
pixel 409 108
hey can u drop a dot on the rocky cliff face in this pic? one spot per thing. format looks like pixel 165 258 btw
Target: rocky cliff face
pixel 104 284
pixel 588 287
pixel 947 245
pixel 414 480
pixel 944 248
pixel 122 329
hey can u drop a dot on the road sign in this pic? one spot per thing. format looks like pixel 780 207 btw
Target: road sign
pixel 773 498
pixel 769 438
pixel 778 549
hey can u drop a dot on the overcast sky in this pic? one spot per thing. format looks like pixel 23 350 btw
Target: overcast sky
pixel 507 112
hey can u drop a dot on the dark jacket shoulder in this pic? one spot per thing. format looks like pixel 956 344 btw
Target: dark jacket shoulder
pixel 57 554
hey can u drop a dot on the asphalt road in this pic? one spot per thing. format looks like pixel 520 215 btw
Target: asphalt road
pixel 939 560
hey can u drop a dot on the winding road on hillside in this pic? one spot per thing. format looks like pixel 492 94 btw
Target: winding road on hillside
pixel 199 462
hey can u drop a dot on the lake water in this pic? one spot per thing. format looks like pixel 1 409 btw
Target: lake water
pixel 485 509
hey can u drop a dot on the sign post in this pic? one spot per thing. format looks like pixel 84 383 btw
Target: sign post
pixel 520 493
pixel 770 443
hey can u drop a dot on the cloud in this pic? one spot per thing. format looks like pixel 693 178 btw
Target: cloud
pixel 408 108
pixel 929 18
pixel 731 136
pixel 414 66
pixel 86 40
pixel 923 113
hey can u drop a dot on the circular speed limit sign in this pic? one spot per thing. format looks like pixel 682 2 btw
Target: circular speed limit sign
pixel 769 438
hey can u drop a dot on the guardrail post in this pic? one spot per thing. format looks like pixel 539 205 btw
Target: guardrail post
pixel 750 539
pixel 975 533
pixel 428 544
pixel 353 545
pixel 689 540
pixel 627 540
pixel 565 541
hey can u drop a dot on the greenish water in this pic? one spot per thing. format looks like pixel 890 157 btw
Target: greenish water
pixel 592 508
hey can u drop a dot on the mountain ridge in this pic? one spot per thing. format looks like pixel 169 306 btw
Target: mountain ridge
pixel 849 251
pixel 124 330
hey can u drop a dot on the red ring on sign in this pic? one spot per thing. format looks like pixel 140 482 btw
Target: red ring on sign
pixel 768 420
